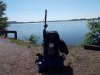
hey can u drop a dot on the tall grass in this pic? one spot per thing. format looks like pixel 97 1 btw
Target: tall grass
pixel 31 41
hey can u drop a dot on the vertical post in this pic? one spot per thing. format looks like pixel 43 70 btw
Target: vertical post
pixel 15 35
pixel 45 17
pixel 44 32
pixel 45 25
pixel 6 35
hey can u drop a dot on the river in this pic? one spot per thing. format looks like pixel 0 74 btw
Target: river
pixel 72 32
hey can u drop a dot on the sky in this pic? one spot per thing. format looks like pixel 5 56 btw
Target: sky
pixel 33 10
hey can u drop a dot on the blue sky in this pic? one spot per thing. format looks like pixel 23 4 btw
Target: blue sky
pixel 33 10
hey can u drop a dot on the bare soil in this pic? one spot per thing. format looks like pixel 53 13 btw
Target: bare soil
pixel 20 60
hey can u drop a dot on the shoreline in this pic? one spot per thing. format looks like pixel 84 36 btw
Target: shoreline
pixel 83 19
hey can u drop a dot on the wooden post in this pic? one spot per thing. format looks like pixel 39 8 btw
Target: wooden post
pixel 5 33
pixel 92 47
pixel 15 35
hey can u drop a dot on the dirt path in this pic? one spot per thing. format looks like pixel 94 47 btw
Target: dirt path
pixel 84 62
pixel 20 60
pixel 16 60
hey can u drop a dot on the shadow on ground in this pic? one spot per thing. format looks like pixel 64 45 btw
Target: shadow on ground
pixel 64 71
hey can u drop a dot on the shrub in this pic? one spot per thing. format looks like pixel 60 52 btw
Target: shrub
pixel 93 37
pixel 33 39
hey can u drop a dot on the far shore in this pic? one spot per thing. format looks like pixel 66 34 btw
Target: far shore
pixel 15 22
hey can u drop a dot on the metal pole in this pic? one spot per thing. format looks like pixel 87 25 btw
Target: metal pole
pixel 45 26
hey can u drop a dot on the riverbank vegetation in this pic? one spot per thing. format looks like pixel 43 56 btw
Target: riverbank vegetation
pixel 32 41
pixel 93 36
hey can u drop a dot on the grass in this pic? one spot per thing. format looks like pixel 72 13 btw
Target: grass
pixel 30 42
pixel 19 42
pixel 24 43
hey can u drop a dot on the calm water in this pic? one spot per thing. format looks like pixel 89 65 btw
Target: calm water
pixel 72 32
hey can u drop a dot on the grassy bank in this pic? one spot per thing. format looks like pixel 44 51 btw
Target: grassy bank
pixel 24 43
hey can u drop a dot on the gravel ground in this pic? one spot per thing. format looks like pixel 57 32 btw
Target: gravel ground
pixel 20 60
pixel 84 62
pixel 16 60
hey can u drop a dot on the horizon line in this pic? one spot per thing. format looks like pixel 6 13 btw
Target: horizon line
pixel 57 20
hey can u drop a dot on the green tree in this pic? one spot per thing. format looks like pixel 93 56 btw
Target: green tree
pixel 3 20
pixel 93 37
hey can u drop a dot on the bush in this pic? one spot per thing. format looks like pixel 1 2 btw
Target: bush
pixel 93 37
pixel 33 39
